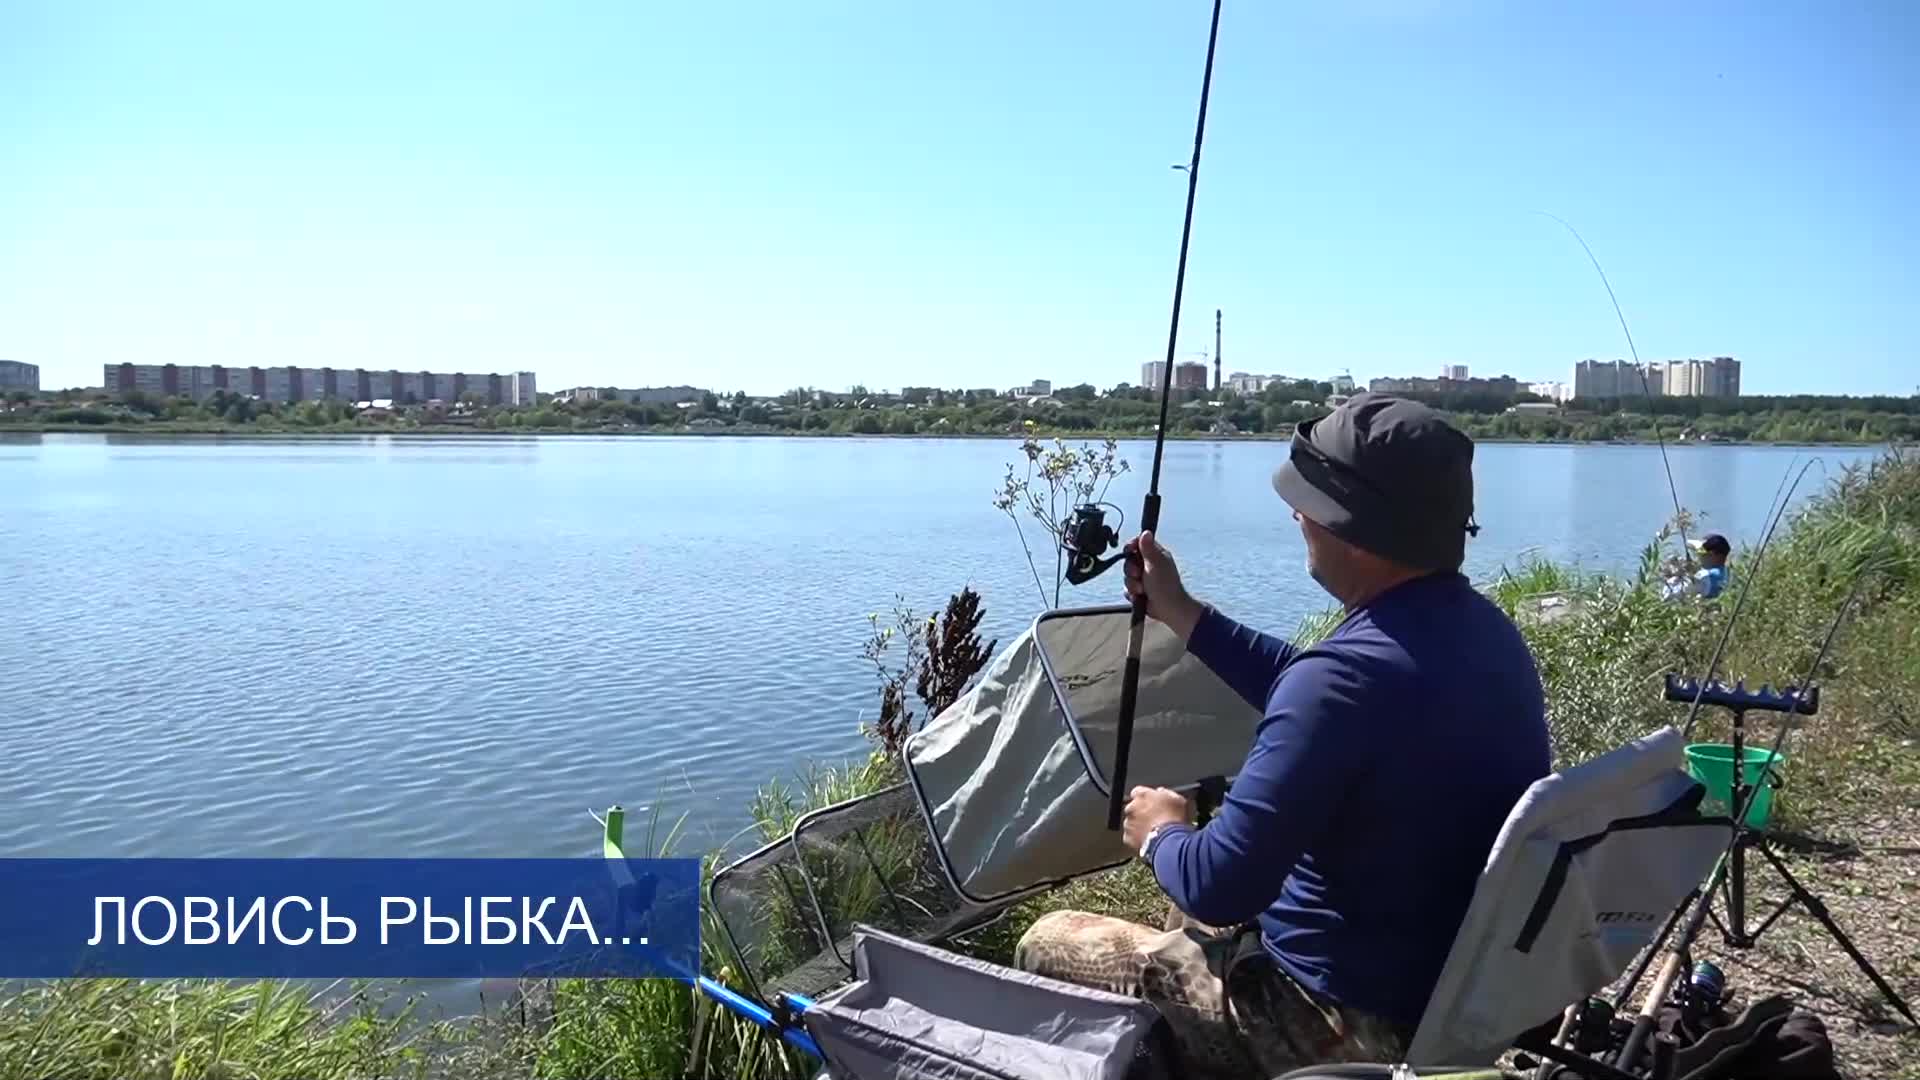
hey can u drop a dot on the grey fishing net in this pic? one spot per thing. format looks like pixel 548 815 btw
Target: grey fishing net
pixel 789 909
pixel 772 934
pixel 1013 777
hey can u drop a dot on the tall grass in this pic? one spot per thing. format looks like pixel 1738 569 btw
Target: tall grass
pixel 1848 566
pixel 1536 577
pixel 108 1029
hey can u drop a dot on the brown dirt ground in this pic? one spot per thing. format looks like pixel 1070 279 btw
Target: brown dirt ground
pixel 1871 887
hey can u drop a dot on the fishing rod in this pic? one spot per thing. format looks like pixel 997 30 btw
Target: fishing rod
pixel 1740 602
pixel 1150 512
pixel 1701 899
pixel 1679 515
pixel 1698 906
pixel 1625 990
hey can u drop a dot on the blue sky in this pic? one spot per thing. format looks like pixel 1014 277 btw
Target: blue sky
pixel 756 196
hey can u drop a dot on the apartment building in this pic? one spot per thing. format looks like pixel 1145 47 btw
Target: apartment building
pixel 19 375
pixel 1718 377
pixel 288 384
pixel 1502 384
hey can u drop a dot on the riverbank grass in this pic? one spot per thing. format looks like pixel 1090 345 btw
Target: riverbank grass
pixel 82 1029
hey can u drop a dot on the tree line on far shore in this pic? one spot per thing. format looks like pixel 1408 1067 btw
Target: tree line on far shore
pixel 1123 410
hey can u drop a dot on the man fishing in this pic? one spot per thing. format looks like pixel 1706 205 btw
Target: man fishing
pixel 1711 579
pixel 1341 862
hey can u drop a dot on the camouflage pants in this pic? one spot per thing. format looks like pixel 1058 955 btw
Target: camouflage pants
pixel 1233 1013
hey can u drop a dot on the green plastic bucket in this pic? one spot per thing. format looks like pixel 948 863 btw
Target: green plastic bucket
pixel 1712 765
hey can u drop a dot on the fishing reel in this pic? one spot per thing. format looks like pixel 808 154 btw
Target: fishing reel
pixel 1085 538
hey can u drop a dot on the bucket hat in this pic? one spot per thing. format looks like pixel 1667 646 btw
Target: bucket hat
pixel 1386 474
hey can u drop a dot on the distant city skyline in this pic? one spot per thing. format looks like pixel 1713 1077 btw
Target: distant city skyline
pixel 973 194
pixel 198 380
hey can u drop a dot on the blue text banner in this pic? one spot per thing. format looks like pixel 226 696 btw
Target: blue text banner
pixel 349 918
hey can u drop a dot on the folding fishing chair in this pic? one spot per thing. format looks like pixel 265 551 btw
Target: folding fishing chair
pixel 1583 875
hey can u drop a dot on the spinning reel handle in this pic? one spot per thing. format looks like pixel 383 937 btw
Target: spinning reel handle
pixel 1084 568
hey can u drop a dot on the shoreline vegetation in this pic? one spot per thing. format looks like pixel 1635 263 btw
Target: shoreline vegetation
pixel 1121 412
pixel 1847 814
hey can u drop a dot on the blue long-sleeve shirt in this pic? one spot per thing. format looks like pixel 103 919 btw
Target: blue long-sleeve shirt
pixel 1389 756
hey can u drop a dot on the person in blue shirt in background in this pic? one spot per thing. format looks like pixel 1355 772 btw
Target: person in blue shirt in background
pixel 1712 578
pixel 1311 916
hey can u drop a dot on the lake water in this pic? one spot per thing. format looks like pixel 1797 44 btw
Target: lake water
pixel 407 647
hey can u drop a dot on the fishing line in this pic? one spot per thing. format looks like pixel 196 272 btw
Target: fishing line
pixel 1653 410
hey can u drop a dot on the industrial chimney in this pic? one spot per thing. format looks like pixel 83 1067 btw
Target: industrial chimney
pixel 1216 350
